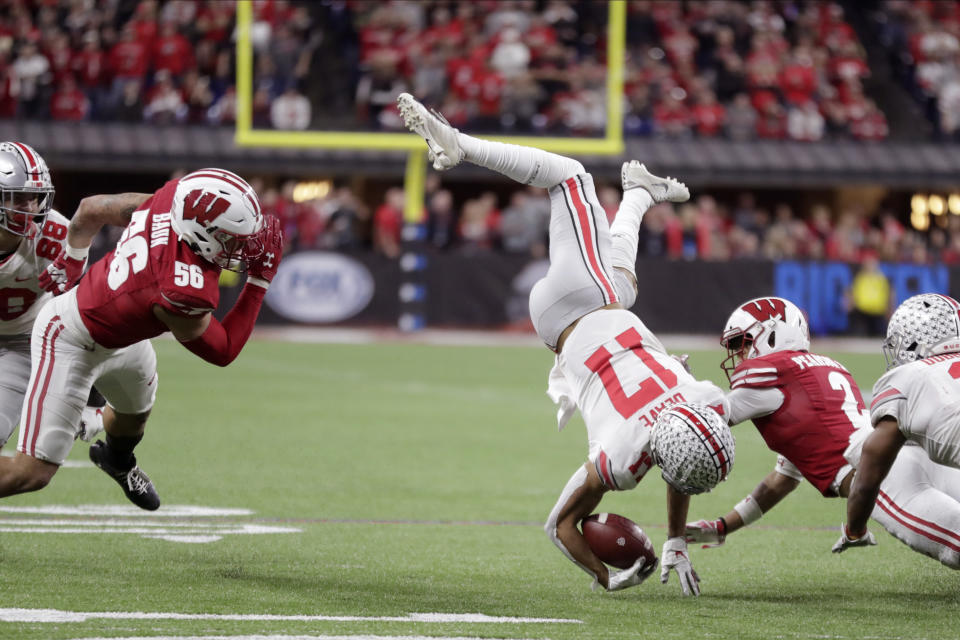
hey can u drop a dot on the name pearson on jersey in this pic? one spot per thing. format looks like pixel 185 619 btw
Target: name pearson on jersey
pixel 809 360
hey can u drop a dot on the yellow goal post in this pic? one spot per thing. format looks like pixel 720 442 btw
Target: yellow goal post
pixel 246 136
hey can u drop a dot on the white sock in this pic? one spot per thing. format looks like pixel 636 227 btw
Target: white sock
pixel 625 230
pixel 526 165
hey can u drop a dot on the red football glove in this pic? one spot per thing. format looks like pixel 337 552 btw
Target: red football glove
pixel 62 273
pixel 264 266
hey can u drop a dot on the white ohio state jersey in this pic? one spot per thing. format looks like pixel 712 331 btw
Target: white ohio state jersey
pixel 20 295
pixel 620 377
pixel 924 398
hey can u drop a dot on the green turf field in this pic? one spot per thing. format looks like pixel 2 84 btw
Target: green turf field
pixel 364 484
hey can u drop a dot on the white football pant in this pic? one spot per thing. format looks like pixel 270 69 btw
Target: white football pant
pixel 65 364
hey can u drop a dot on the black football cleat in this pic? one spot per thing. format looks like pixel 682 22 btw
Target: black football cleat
pixel 135 483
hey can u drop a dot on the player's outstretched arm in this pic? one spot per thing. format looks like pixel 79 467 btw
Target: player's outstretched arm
pixel 579 498
pixel 220 343
pixel 674 555
pixel 93 213
pixel 880 451
pixel 771 490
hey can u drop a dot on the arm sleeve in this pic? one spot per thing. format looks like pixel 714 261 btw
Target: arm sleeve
pixel 221 343
pixel 888 399
pixel 747 403
pixel 786 468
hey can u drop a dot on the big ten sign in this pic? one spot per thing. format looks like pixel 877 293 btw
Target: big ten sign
pixel 820 288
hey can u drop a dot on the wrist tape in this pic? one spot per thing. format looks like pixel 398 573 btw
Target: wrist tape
pixel 749 510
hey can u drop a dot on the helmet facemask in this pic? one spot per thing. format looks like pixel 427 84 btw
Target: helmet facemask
pixel 739 345
pixel 22 205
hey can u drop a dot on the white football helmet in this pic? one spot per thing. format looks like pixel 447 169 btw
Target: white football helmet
pixel 26 191
pixel 761 326
pixel 218 215
pixel 693 446
pixel 922 326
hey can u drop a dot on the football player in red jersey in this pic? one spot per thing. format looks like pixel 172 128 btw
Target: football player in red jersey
pixel 32 236
pixel 809 410
pixel 631 393
pixel 162 276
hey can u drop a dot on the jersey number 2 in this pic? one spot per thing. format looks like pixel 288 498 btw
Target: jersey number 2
pixel 131 252
pixel 648 389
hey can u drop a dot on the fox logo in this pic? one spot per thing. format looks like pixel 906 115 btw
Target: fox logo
pixel 766 308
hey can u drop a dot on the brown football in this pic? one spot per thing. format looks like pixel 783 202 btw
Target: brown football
pixel 617 541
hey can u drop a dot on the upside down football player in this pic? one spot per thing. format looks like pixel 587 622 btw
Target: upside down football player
pixel 810 411
pixel 162 276
pixel 609 364
pixel 32 236
pixel 915 411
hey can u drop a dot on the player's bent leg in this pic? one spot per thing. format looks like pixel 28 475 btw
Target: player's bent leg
pixel 23 473
pixel 116 458
pixel 580 278
pixel 526 165
pixel 14 374
pixel 128 381
pixel 641 189
pixel 911 508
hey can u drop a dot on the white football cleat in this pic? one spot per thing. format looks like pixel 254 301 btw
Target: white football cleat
pixel 91 423
pixel 633 174
pixel 445 151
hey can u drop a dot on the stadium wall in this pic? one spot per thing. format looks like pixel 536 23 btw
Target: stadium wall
pixel 490 290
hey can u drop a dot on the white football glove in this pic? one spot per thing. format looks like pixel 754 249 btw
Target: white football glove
pixel 631 577
pixel 846 542
pixel 675 557
pixel 712 532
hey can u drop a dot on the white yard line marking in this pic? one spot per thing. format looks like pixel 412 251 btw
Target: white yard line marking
pixel 183 523
pixel 60 616
pixel 168 511
pixel 286 637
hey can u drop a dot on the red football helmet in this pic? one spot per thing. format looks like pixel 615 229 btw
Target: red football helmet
pixel 761 326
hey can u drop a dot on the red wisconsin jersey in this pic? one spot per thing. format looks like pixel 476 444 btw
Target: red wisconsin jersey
pixel 148 266
pixel 822 407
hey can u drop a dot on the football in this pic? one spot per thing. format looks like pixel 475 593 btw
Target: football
pixel 616 540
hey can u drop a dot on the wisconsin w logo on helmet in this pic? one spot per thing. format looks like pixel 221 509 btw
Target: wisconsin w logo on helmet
pixel 203 206
pixel 766 308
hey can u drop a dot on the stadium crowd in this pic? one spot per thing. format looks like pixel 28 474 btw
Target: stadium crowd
pixel 743 70
pixel 923 39
pixel 706 228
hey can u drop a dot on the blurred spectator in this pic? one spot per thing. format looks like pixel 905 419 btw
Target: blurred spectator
pixel 511 56
pixel 345 221
pixel 870 299
pixel 804 122
pixel 708 114
pixel 68 102
pixel 741 119
pixel 441 219
pixel 171 50
pixel 523 227
pixel 30 79
pixel 388 223
pixel 130 107
pixel 164 103
pixel 479 223
pixel 290 111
